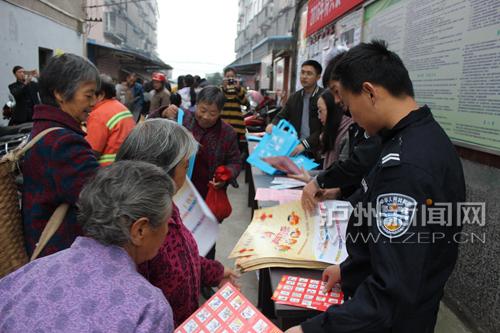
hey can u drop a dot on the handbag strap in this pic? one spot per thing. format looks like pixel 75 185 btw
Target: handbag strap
pixel 50 229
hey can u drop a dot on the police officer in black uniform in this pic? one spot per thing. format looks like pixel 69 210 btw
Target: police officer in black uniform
pixel 400 255
pixel 344 176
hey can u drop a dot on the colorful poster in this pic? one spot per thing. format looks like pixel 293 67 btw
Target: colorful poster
pixel 197 217
pixel 306 293
pixel 286 234
pixel 227 311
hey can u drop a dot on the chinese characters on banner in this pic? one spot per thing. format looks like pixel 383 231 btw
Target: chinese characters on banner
pixel 322 12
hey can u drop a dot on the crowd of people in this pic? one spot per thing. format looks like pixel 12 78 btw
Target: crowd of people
pixel 122 260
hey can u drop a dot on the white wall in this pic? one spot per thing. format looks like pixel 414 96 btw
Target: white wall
pixel 21 33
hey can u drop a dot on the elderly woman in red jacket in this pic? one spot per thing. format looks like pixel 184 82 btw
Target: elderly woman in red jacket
pixel 218 142
pixel 178 269
pixel 56 168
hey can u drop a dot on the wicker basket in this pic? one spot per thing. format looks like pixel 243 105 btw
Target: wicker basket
pixel 13 253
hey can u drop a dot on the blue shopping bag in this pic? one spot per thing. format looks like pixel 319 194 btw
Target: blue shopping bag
pixel 281 142
pixel 304 162
pixel 180 119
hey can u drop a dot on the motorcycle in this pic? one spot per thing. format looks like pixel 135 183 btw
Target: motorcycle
pixel 12 137
pixel 262 110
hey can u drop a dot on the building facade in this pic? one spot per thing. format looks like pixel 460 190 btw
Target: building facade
pixel 122 37
pixel 264 37
pixel 33 31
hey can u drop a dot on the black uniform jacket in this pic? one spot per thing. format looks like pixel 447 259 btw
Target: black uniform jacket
pixel 401 254
pixel 363 154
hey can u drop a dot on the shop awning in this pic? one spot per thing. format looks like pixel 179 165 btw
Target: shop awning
pixel 246 69
pixel 130 60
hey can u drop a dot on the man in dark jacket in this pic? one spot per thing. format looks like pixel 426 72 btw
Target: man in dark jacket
pixel 301 109
pixel 25 92
pixel 400 252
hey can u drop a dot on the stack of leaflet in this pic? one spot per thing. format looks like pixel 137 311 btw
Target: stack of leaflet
pixel 280 183
pixel 285 236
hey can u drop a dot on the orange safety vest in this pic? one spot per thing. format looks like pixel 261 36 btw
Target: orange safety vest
pixel 108 125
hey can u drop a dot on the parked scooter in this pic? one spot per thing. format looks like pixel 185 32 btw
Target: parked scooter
pixel 12 137
pixel 262 109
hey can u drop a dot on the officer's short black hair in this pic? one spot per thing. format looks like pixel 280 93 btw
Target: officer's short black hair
pixel 315 64
pixel 329 74
pixel 374 63
pixel 16 68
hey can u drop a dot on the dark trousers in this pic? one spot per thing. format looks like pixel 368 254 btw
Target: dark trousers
pixel 211 253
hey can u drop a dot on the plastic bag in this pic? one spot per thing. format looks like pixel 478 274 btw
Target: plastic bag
pixel 217 199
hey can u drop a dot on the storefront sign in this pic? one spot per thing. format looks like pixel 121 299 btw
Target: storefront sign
pixel 322 12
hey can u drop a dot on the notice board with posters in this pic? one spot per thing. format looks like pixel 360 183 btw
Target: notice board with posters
pixel 452 51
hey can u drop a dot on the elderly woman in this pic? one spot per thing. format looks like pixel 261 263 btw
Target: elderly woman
pixel 57 167
pixel 94 285
pixel 178 269
pixel 218 143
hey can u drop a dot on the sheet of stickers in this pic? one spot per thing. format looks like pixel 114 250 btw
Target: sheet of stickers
pixel 306 293
pixel 228 311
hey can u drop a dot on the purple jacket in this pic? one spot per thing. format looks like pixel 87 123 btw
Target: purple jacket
pixel 89 287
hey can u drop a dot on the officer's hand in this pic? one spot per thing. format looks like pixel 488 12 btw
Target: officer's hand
pixel 295 329
pixel 328 194
pixel 297 150
pixel 170 112
pixel 331 275
pixel 308 198
pixel 269 128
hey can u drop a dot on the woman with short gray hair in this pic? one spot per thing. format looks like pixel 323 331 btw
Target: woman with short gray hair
pixel 218 140
pixel 178 269
pixel 94 284
pixel 57 167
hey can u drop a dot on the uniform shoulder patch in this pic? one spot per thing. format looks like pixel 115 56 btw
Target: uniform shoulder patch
pixel 395 213
pixel 390 160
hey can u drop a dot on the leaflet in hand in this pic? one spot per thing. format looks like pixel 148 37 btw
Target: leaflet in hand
pixel 306 293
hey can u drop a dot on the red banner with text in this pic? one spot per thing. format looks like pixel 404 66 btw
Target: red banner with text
pixel 322 12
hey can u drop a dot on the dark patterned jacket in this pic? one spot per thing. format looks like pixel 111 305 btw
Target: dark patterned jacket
pixel 54 172
pixel 218 146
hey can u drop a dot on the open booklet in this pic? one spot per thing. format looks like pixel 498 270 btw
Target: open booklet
pixel 285 236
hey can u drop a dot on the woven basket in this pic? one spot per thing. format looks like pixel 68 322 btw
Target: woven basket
pixel 13 253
